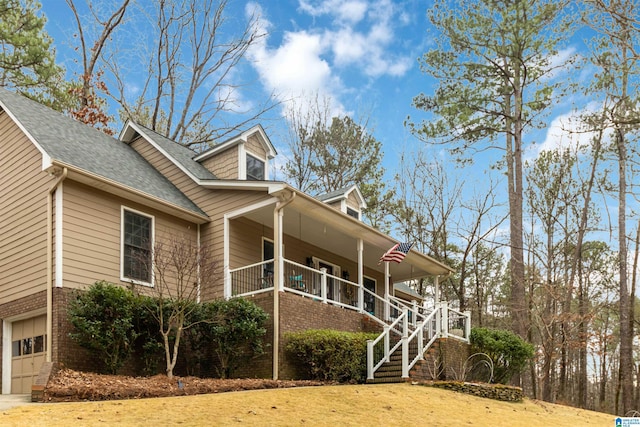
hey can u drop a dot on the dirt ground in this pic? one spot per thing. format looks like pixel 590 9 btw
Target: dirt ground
pixel 71 386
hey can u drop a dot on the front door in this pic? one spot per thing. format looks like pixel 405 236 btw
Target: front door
pixel 27 352
pixel 369 299
pixel 330 284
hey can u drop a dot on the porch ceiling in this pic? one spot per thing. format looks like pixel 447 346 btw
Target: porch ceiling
pixel 320 225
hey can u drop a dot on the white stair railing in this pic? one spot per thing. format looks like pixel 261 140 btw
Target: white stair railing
pixel 414 342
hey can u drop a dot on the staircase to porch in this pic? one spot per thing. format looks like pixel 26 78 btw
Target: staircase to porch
pixel 405 341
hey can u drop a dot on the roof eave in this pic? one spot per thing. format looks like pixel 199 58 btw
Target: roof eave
pixel 115 188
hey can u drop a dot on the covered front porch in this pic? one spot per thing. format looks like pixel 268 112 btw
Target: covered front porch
pixel 293 244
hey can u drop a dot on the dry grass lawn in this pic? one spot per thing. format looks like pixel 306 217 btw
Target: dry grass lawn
pixel 343 405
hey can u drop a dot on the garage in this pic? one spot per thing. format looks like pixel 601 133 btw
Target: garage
pixel 28 342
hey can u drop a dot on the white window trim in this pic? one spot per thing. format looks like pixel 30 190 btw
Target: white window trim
pixel 259 158
pixel 153 233
pixel 268 240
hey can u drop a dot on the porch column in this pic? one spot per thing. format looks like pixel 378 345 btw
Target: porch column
pixel 225 254
pixel 437 292
pixel 360 275
pixel 278 267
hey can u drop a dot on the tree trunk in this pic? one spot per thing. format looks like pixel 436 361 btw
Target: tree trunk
pixel 582 339
pixel 626 338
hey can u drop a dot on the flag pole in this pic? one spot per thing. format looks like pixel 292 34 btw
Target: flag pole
pixel 386 291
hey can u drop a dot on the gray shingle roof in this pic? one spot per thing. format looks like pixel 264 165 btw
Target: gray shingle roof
pixel 181 154
pixel 333 194
pixel 86 148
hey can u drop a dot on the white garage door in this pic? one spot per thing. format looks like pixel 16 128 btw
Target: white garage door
pixel 27 352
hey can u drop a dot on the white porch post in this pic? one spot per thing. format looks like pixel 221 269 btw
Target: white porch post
pixel 323 285
pixel 437 292
pixel 278 276
pixel 225 256
pixel 387 313
pixel 360 275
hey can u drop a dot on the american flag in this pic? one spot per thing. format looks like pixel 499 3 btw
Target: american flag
pixel 396 253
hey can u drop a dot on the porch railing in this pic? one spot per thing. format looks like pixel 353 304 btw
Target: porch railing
pixel 252 279
pixel 407 327
pixel 309 282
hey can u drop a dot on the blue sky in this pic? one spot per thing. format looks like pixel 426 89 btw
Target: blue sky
pixel 362 54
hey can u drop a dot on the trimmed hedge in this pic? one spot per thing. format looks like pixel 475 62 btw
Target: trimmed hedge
pixel 113 323
pixel 508 352
pixel 331 355
pixel 103 318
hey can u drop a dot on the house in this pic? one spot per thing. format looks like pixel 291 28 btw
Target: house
pixel 74 203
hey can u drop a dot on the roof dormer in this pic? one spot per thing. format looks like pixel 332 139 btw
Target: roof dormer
pixel 244 157
pixel 347 200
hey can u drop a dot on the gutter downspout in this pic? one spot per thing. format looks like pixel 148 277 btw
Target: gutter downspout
pixel 60 177
pixel 278 265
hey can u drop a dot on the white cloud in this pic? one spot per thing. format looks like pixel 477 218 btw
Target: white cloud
pixel 357 38
pixel 352 11
pixel 566 131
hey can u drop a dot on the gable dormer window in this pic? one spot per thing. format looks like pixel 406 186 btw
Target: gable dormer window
pixel 352 212
pixel 255 168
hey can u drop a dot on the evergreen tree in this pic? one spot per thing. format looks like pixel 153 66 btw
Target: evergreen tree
pixel 27 60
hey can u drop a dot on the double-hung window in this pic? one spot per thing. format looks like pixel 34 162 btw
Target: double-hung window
pixel 137 241
pixel 255 168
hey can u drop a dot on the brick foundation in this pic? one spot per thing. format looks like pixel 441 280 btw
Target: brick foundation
pixel 298 314
pixel 445 360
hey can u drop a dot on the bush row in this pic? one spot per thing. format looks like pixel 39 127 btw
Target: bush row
pixel 331 355
pixel 114 323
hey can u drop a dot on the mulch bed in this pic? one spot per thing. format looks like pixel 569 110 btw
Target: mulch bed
pixel 70 386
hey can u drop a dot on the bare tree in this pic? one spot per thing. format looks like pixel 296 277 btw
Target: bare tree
pixel 330 153
pixel 618 63
pixel 181 268
pixel 91 109
pixel 431 211
pixel 189 86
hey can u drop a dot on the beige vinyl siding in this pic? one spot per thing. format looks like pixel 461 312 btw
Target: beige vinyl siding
pixel 352 201
pixel 223 165
pixel 92 230
pixel 23 214
pixel 164 165
pixel 215 203
pixel 246 242
pixel 255 147
pixel 336 205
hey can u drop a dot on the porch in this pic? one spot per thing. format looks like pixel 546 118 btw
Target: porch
pixel 297 245
pixel 409 328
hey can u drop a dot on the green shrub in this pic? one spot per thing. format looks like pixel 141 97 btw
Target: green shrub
pixel 235 328
pixel 331 355
pixel 508 352
pixel 148 347
pixel 103 321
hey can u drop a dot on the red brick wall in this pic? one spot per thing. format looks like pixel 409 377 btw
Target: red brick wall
pixel 445 360
pixel 298 314
pixel 65 350
pixel 261 366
